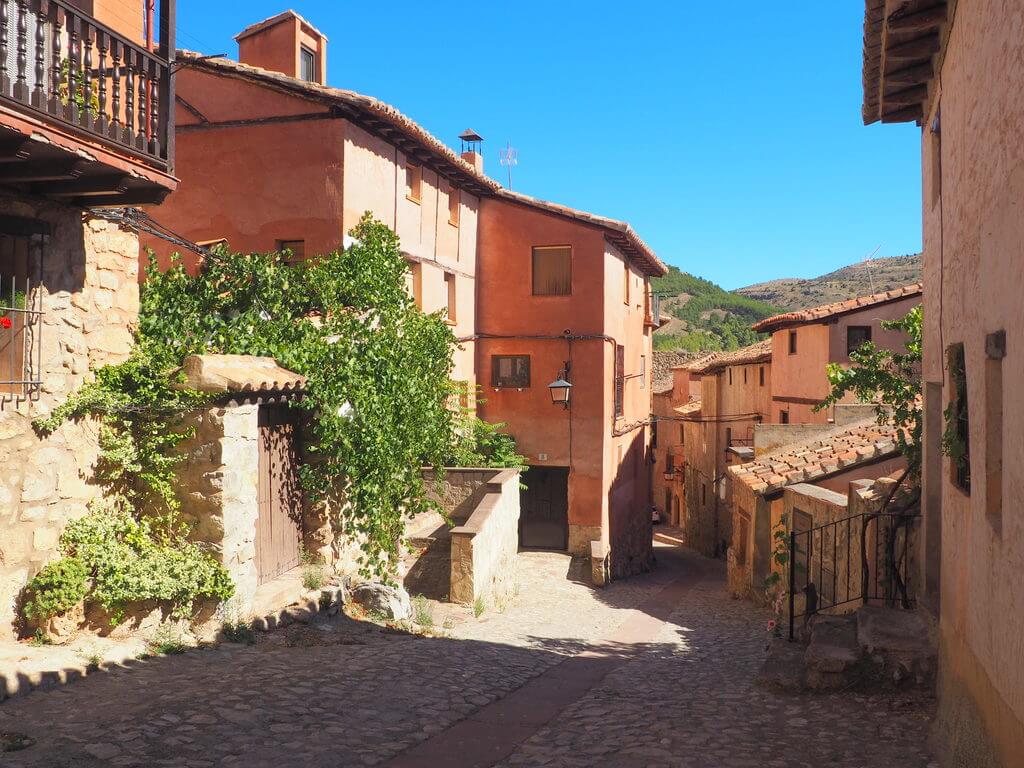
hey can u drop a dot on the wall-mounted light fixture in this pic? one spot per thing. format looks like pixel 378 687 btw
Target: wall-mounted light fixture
pixel 560 387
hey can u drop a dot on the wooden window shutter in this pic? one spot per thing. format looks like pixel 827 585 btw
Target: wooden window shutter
pixel 552 270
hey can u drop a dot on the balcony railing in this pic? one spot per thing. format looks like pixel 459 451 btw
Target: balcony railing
pixel 68 68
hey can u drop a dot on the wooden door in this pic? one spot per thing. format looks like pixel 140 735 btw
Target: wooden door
pixel 279 499
pixel 544 509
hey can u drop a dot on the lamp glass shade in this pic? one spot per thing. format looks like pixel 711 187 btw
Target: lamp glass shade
pixel 560 391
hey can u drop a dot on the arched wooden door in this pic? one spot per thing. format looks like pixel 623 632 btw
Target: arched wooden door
pixel 279 498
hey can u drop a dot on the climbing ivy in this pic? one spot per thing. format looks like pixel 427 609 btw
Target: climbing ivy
pixel 376 405
pixel 890 380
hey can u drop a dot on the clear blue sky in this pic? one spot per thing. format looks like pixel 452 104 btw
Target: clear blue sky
pixel 727 134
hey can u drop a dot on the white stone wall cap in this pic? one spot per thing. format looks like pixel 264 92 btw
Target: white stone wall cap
pixel 239 373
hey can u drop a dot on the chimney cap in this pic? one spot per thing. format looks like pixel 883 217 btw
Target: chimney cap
pixel 470 135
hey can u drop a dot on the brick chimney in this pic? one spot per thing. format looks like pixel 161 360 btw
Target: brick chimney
pixel 285 43
pixel 471 151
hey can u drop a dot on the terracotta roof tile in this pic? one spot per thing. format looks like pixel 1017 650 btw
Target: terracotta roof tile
pixel 761 352
pixel 861 443
pixel 815 314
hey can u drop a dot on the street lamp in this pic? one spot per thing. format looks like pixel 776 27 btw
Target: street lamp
pixel 560 387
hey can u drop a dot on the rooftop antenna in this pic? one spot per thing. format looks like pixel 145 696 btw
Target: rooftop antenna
pixel 867 266
pixel 508 157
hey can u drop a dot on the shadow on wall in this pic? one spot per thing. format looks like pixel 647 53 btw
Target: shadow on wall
pixel 630 528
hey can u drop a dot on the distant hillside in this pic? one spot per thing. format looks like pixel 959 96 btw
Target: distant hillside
pixel 705 316
pixel 862 279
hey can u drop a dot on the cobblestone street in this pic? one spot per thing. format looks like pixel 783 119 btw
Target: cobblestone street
pixel 652 671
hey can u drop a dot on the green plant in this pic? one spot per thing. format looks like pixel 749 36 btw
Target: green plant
pixel 167 640
pixel 40 638
pixel 57 588
pixel 313 576
pixel 114 559
pixel 481 444
pixel 890 380
pixel 422 612
pixel 238 632
pixel 479 606
pixel 89 102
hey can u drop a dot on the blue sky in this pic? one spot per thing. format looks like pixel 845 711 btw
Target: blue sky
pixel 727 134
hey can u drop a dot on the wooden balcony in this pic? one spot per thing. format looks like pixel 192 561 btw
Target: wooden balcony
pixel 86 114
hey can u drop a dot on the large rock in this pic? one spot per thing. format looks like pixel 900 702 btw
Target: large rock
pixel 390 602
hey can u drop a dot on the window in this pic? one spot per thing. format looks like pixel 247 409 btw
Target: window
pixel 453 205
pixel 855 336
pixel 760 376
pixel 995 351
pixel 510 371
pixel 552 270
pixel 958 424
pixel 307 65
pixel 682 434
pixel 413 182
pixel 783 417
pixel 297 248
pixel 416 287
pixel 21 267
pixel 730 376
pixel 744 375
pixel 792 342
pixel 625 282
pixel 450 285
pixel 643 371
pixel 620 378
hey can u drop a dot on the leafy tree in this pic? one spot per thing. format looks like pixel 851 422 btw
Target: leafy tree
pixel 890 380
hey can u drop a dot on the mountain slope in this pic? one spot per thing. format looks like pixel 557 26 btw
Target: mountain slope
pixel 704 315
pixel 861 279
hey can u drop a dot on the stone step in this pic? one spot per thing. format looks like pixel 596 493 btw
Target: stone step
pixel 899 646
pixel 833 653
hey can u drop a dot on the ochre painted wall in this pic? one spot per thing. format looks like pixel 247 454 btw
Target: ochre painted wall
pixel 974 270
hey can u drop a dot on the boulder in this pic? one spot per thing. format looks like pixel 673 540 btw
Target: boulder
pixel 390 602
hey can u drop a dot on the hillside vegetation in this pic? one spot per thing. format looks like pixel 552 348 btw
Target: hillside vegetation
pixel 861 279
pixel 706 317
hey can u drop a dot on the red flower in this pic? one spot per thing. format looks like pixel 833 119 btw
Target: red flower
pixel 5 322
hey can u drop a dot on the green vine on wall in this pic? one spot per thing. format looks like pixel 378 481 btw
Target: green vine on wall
pixel 377 402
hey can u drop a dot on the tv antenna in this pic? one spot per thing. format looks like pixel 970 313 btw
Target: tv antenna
pixel 508 157
pixel 867 266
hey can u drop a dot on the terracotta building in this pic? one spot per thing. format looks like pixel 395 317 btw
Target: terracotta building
pixel 271 158
pixel 806 341
pixel 955 69
pixel 565 295
pixel 68 276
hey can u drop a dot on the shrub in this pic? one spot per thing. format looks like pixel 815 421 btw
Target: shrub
pixel 57 588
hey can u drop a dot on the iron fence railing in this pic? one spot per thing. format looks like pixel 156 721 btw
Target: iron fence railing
pixel 62 64
pixel 863 558
pixel 21 316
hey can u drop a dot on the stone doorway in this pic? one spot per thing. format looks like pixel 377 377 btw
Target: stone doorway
pixel 279 497
pixel 544 507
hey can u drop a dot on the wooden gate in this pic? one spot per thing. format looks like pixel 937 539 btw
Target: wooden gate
pixel 544 508
pixel 279 500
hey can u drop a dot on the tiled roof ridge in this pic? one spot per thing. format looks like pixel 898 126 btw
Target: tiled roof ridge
pixel 758 352
pixel 863 442
pixel 352 99
pixel 822 311
pixel 272 20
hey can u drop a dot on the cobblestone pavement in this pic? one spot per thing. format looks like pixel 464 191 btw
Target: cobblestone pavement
pixel 343 694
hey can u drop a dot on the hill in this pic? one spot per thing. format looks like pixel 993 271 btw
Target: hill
pixel 705 317
pixel 862 279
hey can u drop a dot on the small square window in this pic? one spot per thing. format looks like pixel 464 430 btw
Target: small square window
pixel 760 376
pixel 307 65
pixel 510 371
pixel 552 270
pixel 413 182
pixel 296 250
pixel 856 335
pixel 783 417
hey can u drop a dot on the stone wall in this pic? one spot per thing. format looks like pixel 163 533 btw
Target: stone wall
pixel 90 298
pixel 483 553
pixel 218 483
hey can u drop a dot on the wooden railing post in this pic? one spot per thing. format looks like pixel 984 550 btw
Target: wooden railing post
pixel 5 78
pixel 55 107
pixel 39 91
pixel 102 122
pixel 21 82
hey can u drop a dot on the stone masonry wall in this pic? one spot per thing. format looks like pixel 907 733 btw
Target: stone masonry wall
pixel 484 548
pixel 90 299
pixel 218 485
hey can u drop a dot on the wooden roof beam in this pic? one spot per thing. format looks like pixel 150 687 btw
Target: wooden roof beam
pixel 114 184
pixel 912 75
pixel 918 48
pixel 922 21
pixel 907 97
pixel 904 115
